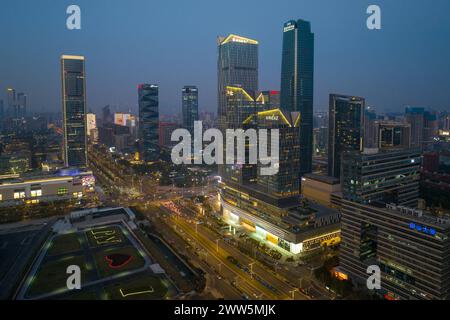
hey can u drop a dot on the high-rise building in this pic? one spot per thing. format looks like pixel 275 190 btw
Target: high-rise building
pixel 73 80
pixel 91 122
pixel 189 102
pixel 446 122
pixel 106 115
pixel 271 98
pixel 121 118
pixel 297 83
pixel 149 121
pixel 393 134
pixel 2 110
pixel 320 141
pixel 237 65
pixel 165 133
pixel 11 101
pixel 415 117
pixel 17 104
pixel 285 183
pixel 370 131
pixel 389 176
pixel 21 105
pixel 268 205
pixel 346 117
pixel 240 105
pixel 411 247
pixel 430 129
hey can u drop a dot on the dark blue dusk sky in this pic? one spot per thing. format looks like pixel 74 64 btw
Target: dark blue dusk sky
pixel 173 43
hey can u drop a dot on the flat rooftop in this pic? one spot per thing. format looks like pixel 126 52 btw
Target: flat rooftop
pixel 40 175
pixel 322 178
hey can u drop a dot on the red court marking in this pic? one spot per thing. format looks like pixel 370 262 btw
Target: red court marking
pixel 116 261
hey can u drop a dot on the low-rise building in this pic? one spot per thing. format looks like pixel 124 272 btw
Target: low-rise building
pixel 318 188
pixel 65 184
pixel 288 226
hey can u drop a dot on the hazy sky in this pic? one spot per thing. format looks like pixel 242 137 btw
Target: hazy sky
pixel 173 43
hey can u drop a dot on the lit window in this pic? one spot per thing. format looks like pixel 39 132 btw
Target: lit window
pixel 19 195
pixel 36 193
pixel 77 194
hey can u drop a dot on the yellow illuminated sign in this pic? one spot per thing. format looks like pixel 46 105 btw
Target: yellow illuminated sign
pixel 239 39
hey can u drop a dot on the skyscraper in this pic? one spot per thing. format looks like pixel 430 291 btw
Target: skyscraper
pixel 268 205
pixel 91 120
pixel 346 118
pixel 237 64
pixel 240 105
pixel 297 82
pixel 430 129
pixel 416 118
pixel 189 101
pixel 149 121
pixel 21 105
pixel 271 98
pixel 370 132
pixel 74 110
pixel 106 115
pixel 11 102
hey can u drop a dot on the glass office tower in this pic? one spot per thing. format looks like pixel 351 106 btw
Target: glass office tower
pixel 346 123
pixel 149 121
pixel 74 110
pixel 297 82
pixel 237 65
pixel 189 100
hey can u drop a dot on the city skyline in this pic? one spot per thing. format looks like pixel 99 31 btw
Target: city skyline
pixel 189 156
pixel 379 58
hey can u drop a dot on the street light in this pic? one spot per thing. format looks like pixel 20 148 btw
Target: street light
pixel 293 293
pixel 251 269
pixel 217 245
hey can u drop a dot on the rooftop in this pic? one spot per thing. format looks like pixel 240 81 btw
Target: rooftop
pixel 322 178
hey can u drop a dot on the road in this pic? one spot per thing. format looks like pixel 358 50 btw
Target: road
pixel 250 276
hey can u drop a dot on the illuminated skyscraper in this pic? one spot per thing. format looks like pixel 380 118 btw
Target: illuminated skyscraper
pixel 240 105
pixel 149 121
pixel 189 100
pixel 237 64
pixel 297 82
pixel 268 205
pixel 271 98
pixel 74 110
pixel 346 117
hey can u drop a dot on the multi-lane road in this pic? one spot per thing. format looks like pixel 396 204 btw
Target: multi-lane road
pixel 246 274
